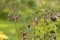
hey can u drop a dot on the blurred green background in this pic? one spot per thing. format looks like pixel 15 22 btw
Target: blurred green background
pixel 27 9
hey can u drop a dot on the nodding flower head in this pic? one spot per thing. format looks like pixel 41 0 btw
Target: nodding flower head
pixel 24 33
pixel 35 23
pixel 54 37
pixel 53 19
pixel 16 18
pixel 28 25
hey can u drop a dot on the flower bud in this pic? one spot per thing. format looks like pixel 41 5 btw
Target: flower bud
pixel 36 12
pixel 9 17
pixel 52 31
